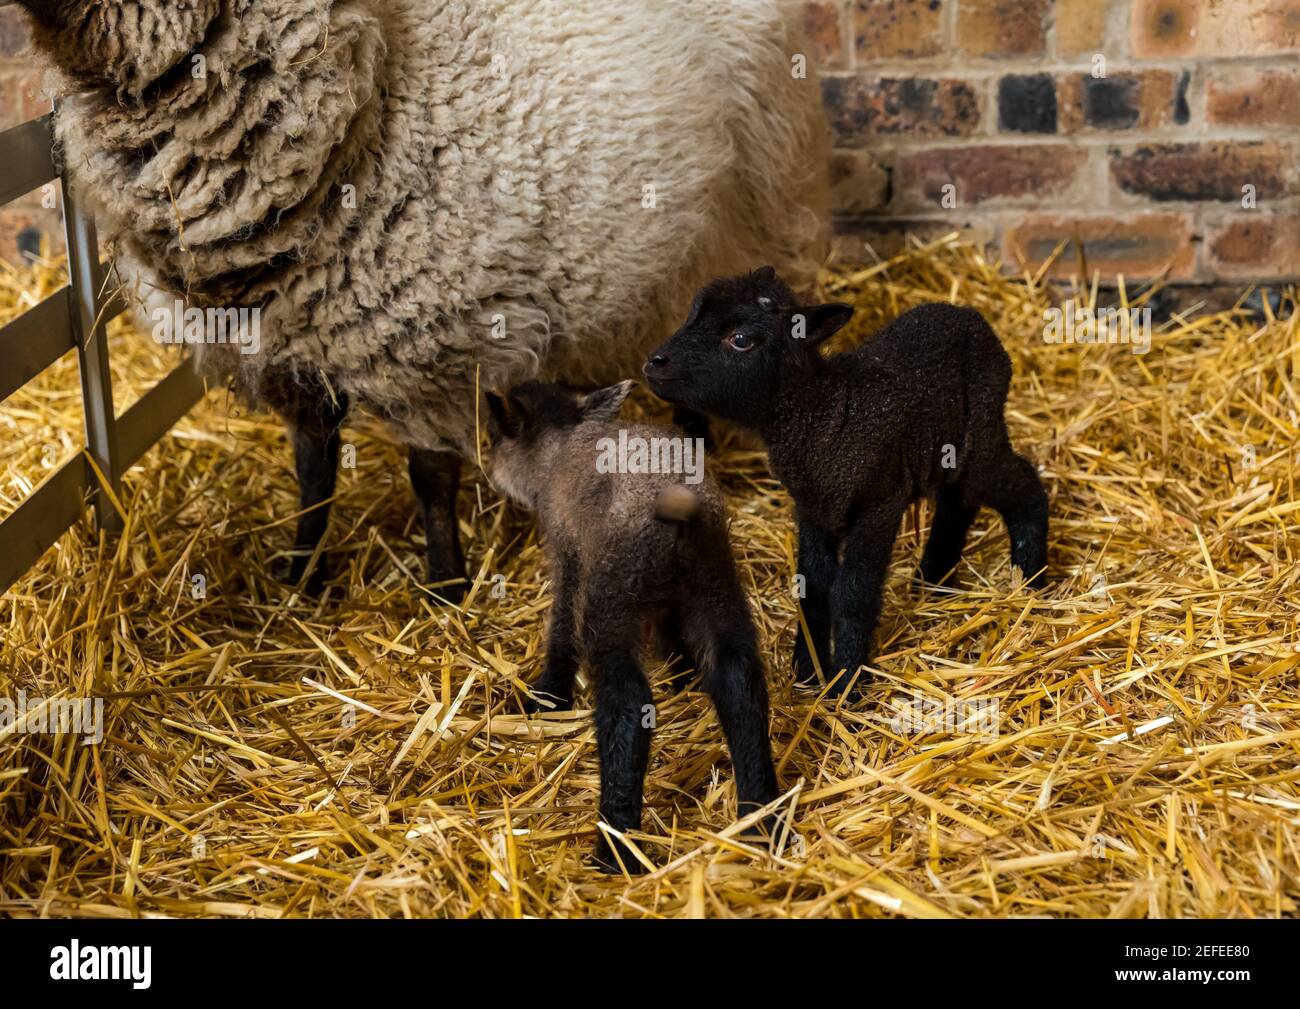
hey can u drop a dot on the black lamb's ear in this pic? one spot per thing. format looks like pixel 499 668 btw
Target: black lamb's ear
pixel 812 326
pixel 604 404
pixel 765 274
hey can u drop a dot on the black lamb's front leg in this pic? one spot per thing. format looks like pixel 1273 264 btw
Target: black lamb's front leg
pixel 555 684
pixel 817 566
pixel 315 431
pixel 856 593
pixel 435 478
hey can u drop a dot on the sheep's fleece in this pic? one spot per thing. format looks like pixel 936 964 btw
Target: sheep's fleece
pixel 539 185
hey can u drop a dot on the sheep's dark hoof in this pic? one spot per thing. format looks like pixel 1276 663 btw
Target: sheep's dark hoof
pixel 608 863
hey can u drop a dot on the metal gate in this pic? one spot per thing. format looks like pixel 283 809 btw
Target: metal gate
pixel 73 318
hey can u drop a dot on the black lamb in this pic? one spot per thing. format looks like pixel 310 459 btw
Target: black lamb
pixel 628 547
pixel 916 411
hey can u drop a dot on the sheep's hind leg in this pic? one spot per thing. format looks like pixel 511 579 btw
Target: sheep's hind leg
pixel 951 523
pixel 1016 492
pixel 435 478
pixel 315 432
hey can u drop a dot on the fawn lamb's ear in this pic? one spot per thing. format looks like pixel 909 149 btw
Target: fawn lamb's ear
pixel 823 322
pixel 604 404
pixel 500 423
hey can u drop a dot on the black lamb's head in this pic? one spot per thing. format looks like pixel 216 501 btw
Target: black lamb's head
pixel 742 335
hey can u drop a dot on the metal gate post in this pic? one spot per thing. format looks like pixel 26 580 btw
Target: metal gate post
pixel 91 333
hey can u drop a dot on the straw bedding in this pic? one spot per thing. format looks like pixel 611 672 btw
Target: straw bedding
pixel 268 755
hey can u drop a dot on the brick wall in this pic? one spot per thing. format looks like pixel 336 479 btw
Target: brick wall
pixel 25 222
pixel 1132 126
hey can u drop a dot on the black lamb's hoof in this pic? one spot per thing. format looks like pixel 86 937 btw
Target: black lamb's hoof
pixel 606 861
pixel 559 701
pixel 451 588
pixel 290 570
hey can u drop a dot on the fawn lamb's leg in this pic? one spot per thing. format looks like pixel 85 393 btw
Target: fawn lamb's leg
pixel 555 684
pixel 859 584
pixel 817 566
pixel 435 477
pixel 612 641
pixel 719 629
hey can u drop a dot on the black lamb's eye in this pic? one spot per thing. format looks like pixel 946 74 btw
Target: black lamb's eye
pixel 740 342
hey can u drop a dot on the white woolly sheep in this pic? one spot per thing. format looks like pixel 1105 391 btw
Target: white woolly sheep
pixel 428 198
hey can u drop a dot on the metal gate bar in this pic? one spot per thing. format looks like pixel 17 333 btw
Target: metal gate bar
pixel 75 317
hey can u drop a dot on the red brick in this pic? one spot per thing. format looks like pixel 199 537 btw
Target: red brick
pixel 15 219
pixel 1081 26
pixel 862 107
pixel 859 183
pixel 1243 96
pixel 1167 28
pixel 890 29
pixel 21 97
pixel 1204 172
pixel 1003 27
pixel 981 174
pixel 1257 245
pixel 1136 246
pixel 823 24
pixel 1142 100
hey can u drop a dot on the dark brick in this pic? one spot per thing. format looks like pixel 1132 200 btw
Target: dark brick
pixel 822 26
pixel 860 107
pixel 1201 172
pixel 1110 103
pixel 1027 103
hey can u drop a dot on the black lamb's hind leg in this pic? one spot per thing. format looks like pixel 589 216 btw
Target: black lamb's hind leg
pixel 315 432
pixel 435 478
pixel 952 521
pixel 1016 492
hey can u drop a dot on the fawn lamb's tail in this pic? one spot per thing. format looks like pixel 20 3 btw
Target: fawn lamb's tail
pixel 677 504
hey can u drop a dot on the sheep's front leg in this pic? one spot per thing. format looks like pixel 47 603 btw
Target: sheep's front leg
pixel 435 477
pixel 562 657
pixel 315 433
pixel 817 565
pixel 859 584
